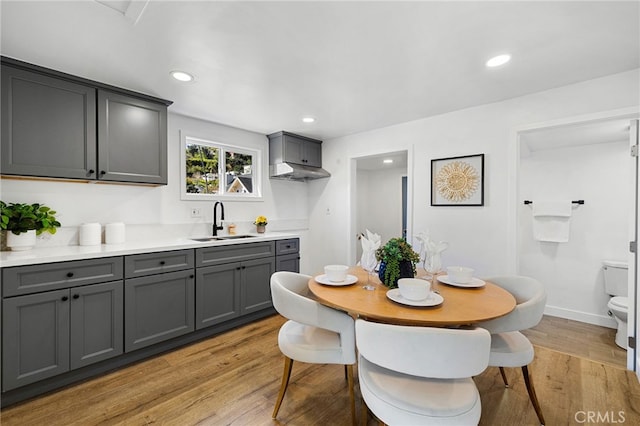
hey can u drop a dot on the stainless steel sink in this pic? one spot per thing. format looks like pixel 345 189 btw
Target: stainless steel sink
pixel 223 238
pixel 235 237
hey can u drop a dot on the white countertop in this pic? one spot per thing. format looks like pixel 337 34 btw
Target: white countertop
pixel 67 253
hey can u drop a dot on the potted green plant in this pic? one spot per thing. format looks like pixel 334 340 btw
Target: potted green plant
pixel 22 222
pixel 397 260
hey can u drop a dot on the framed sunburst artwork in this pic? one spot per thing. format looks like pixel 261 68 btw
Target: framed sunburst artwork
pixel 458 181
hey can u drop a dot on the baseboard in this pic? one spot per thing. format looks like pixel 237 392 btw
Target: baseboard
pixel 601 320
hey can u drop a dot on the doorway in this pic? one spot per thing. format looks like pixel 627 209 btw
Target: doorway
pixel 381 196
pixel 584 158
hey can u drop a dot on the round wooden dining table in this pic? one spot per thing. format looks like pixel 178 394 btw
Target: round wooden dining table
pixel 460 305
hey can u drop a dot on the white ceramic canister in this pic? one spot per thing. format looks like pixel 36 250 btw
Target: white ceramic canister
pixel 90 234
pixel 114 233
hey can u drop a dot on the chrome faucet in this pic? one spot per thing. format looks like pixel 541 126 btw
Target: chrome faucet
pixel 215 217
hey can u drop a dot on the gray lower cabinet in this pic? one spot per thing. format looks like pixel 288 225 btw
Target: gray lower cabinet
pixel 288 255
pixel 49 333
pixel 158 308
pixel 230 288
pixel 159 301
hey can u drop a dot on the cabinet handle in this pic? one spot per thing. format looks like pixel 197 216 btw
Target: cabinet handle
pixel 69 274
pixel 76 296
pixel 102 173
pixel 244 267
pixel 91 171
pixel 65 298
pixel 288 246
pixel 238 268
pixel 191 276
pixel 162 262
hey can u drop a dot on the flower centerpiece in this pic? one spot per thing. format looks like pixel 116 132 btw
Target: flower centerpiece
pixel 397 260
pixel 22 222
pixel 261 223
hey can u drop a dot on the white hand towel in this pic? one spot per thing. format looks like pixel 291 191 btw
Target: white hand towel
pixel 551 220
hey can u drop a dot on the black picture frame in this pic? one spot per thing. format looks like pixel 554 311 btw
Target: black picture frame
pixel 458 181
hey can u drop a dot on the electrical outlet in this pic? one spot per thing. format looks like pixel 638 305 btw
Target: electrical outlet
pixel 196 212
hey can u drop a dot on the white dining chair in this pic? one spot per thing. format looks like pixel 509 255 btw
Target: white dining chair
pixel 412 375
pixel 314 333
pixel 509 347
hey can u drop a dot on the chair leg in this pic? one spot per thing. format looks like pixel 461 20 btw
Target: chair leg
pixel 504 377
pixel 532 394
pixel 352 394
pixel 286 374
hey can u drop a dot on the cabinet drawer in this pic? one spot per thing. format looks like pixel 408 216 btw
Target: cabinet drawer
pixel 52 276
pixel 289 246
pixel 233 253
pixel 140 265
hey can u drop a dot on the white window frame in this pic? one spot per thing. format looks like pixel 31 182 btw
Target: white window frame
pixel 256 170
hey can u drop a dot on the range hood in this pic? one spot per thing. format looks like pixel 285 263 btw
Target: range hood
pixel 295 157
pixel 299 172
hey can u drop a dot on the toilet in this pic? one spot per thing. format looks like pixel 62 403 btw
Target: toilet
pixel 615 284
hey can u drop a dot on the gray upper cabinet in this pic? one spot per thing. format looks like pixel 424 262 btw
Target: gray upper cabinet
pixel 132 136
pixel 48 126
pixel 285 147
pixel 55 125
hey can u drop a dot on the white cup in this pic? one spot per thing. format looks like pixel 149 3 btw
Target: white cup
pixel 460 274
pixel 414 288
pixel 336 273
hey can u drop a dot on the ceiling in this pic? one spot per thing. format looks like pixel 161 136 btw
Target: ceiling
pixel 353 66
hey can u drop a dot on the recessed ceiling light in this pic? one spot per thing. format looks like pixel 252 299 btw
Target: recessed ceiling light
pixel 496 61
pixel 181 76
pixel 387 161
pixel 308 119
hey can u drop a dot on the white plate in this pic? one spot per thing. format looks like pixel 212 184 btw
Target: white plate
pixel 475 282
pixel 433 300
pixel 322 279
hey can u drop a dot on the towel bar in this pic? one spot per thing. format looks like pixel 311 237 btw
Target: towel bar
pixel 574 202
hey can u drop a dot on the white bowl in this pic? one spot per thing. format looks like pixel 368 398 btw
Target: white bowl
pixel 414 288
pixel 460 274
pixel 336 273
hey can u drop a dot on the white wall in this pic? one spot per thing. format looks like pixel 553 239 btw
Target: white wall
pixel 480 237
pixel 286 204
pixel 379 206
pixel 572 272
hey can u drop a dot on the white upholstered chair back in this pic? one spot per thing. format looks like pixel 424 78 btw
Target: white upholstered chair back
pixel 439 353
pixel 531 298
pixel 289 292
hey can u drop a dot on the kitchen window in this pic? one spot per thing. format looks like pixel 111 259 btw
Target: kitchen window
pixel 214 170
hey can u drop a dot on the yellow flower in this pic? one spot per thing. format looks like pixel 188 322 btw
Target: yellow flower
pixel 260 220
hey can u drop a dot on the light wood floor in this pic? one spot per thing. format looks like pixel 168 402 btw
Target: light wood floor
pixel 233 379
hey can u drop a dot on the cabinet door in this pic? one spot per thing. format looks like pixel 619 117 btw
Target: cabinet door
pixel 132 137
pixel 313 154
pixel 35 337
pixel 293 149
pixel 96 323
pixel 48 126
pixel 217 294
pixel 158 308
pixel 256 288
pixel 290 262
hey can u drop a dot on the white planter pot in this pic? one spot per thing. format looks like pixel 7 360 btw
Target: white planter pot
pixel 24 241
